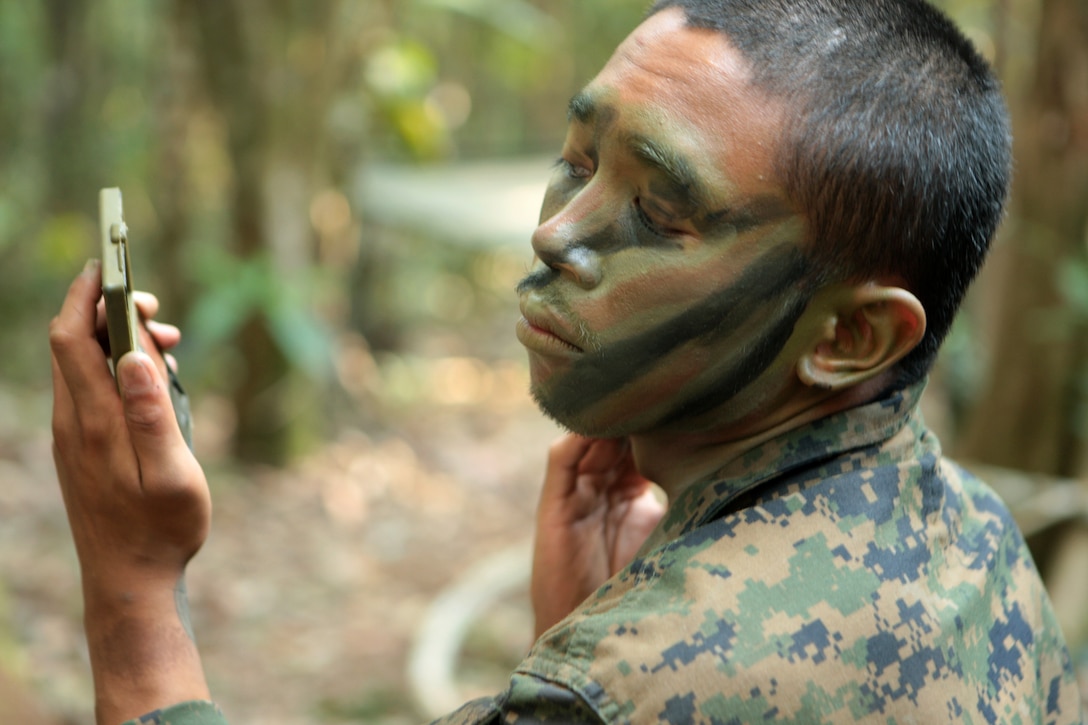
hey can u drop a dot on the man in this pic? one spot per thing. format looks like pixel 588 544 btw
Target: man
pixel 763 219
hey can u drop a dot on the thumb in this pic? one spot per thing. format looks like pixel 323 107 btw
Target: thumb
pixel 148 410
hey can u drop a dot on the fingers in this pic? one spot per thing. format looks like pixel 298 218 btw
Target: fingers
pixel 167 336
pixel 80 361
pixel 63 407
pixel 585 473
pixel 573 455
pixel 83 295
pixel 149 344
pixel 604 455
pixel 146 303
pixel 608 469
pixel 561 473
pixel 567 452
pixel 149 414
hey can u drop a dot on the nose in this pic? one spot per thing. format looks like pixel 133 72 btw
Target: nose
pixel 561 242
pixel 582 265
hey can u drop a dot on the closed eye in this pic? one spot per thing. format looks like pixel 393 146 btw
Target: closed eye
pixel 572 170
pixel 653 227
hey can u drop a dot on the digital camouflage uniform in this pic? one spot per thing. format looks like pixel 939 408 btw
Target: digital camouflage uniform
pixel 843 572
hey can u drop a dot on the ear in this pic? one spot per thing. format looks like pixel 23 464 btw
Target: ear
pixel 868 329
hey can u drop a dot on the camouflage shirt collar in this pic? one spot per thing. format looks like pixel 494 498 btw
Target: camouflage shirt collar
pixel 859 427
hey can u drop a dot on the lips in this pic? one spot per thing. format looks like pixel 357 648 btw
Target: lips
pixel 538 330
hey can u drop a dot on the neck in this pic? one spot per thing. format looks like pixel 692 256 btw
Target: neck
pixel 676 460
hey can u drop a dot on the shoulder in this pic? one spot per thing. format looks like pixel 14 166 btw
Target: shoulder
pixel 821 602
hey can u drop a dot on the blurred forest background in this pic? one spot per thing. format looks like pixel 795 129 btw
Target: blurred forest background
pixel 334 201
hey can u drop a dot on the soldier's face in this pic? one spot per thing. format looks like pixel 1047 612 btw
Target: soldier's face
pixel 668 276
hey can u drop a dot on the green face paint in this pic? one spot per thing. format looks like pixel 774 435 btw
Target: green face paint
pixel 672 275
pixel 733 335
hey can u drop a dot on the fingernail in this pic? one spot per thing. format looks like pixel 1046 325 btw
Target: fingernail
pixel 91 266
pixel 135 379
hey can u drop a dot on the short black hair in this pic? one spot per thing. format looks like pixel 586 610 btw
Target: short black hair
pixel 897 145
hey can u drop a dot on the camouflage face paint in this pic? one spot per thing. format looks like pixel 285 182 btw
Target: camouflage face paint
pixel 770 296
pixel 671 277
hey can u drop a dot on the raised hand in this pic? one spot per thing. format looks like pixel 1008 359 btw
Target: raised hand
pixel 138 505
pixel 595 512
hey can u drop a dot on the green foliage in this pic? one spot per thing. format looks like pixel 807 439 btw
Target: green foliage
pixel 400 75
pixel 235 290
pixel 515 19
pixel 61 241
pixel 1073 284
pixel 402 69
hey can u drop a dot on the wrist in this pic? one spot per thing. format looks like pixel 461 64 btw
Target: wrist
pixel 111 600
pixel 143 656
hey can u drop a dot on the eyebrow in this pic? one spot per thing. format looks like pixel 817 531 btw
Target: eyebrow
pixel 582 107
pixel 684 183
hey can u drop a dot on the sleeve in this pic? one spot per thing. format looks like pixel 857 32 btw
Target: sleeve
pixel 195 712
pixel 529 701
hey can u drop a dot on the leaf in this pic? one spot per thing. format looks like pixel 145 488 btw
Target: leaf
pixel 219 313
pixel 233 290
pixel 304 340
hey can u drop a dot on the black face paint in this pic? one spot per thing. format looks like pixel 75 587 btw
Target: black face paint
pixel 597 374
pixel 754 213
pixel 626 233
pixel 538 279
pixel 743 372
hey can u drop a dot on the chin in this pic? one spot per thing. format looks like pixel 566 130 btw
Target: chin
pixel 580 423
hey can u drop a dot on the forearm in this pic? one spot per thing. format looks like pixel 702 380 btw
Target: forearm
pixel 142 653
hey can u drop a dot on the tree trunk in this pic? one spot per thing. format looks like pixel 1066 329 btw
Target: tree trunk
pixel 170 185
pixel 273 71
pixel 235 86
pixel 68 127
pixel 1032 413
